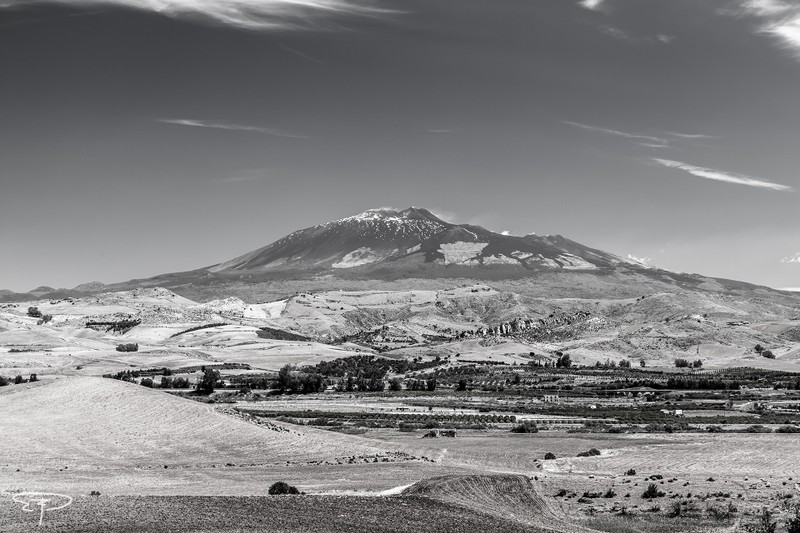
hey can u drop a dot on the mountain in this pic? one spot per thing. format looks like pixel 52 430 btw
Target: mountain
pixel 383 239
pixel 386 249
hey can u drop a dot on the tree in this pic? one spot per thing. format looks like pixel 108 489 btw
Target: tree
pixel 33 378
pixel 697 364
pixel 642 363
pixel 285 378
pixel 768 354
pixel 563 360
pixel 549 456
pixel 282 487
pixel 19 379
pixel 147 382
pixel 681 363
pixel 208 382
pixel 395 384
pixel 758 348
pixel 462 384
pixel 431 384
pixel 34 312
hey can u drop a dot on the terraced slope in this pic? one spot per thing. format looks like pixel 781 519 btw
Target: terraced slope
pixel 510 497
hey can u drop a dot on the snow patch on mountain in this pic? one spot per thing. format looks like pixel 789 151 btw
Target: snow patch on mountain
pixel 499 259
pixel 573 262
pixel 460 252
pixel 358 257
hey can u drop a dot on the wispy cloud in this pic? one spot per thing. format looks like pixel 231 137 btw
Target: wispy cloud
pixel 616 33
pixel 666 39
pixel 300 54
pixel 646 140
pixel 780 19
pixel 247 14
pixel 594 5
pixel 719 175
pixel 792 259
pixel 233 127
pixel 662 139
pixel 690 135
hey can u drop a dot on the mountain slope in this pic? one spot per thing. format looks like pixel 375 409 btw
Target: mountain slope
pixel 385 238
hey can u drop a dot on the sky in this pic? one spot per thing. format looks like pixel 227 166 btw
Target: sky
pixel 139 137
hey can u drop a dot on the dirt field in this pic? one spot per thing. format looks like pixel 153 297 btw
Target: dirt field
pixel 290 514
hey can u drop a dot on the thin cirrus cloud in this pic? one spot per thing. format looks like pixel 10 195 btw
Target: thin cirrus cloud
pixel 779 19
pixel 792 259
pixel 231 127
pixel 719 175
pixel 648 141
pixel 245 14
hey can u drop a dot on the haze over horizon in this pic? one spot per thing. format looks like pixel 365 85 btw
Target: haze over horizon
pixel 141 137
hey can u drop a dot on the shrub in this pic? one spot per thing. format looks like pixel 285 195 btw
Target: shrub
pixel 282 488
pixel 758 428
pixel 33 378
pixel 793 521
pixel 589 453
pixel 768 354
pixel 681 363
pixel 763 524
pixel 146 382
pixel 19 379
pixel 715 429
pixel 652 491
pixel 130 347
pixel 34 312
pixel 674 510
pixel 549 456
pixel 610 493
pixel 525 428
pixel 630 472
pixel 788 429
pixel 395 384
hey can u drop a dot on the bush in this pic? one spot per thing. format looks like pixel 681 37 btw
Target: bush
pixel 768 354
pixel 19 379
pixel 525 428
pixel 652 491
pixel 549 456
pixel 589 453
pixel 34 312
pixel 130 347
pixel 681 363
pixel 146 382
pixel 793 521
pixel 715 429
pixel 788 429
pixel 33 378
pixel 764 523
pixel 630 472
pixel 282 488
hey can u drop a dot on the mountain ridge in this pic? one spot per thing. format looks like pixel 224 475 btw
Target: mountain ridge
pixel 414 247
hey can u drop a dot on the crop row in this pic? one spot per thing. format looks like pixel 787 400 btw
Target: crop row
pixel 409 417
